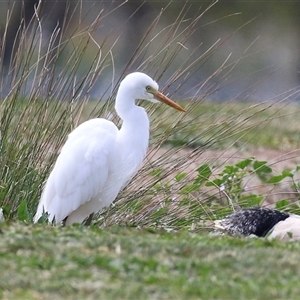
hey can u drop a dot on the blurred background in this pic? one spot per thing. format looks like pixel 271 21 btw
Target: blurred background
pixel 258 40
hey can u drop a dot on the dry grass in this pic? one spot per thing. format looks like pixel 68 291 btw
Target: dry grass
pixel 47 93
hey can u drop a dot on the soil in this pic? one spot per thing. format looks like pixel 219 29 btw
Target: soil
pixel 190 159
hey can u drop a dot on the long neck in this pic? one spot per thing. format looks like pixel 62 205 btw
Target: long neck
pixel 134 132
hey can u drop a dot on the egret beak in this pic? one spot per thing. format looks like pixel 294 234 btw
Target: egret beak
pixel 162 98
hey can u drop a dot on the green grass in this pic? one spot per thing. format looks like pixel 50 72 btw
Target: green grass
pixel 43 262
pixel 221 125
pixel 49 93
pixel 231 124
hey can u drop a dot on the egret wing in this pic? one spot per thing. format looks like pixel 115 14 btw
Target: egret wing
pixel 81 169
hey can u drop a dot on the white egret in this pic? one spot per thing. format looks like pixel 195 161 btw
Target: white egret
pixel 262 222
pixel 98 159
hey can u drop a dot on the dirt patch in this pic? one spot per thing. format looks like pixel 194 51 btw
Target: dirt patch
pixel 188 160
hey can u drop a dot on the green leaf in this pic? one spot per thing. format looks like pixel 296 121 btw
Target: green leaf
pixel 230 170
pixel 217 182
pixel 251 200
pixel 204 173
pixel 261 169
pixel 261 166
pixel 22 211
pixel 287 173
pixel 244 163
pixel 278 178
pixel 282 204
pixel 204 170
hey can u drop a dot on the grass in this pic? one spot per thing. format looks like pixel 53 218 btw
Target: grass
pixel 41 262
pixel 47 88
pixel 265 125
pixel 153 242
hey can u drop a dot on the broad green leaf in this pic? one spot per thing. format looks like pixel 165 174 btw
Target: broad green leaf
pixel 216 182
pixel 204 173
pixel 244 163
pixel 230 170
pixel 282 204
pixel 278 178
pixel 261 169
pixel 204 170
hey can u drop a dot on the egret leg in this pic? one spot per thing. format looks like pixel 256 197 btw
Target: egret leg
pixel 64 221
pixel 89 220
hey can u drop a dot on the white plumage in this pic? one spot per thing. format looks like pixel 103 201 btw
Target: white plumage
pixel 287 230
pixel 98 159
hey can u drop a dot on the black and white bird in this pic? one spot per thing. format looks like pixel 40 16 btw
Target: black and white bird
pixel 262 222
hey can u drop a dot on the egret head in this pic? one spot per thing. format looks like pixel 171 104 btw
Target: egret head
pixel 141 86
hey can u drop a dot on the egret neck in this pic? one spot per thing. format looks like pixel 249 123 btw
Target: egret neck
pixel 133 136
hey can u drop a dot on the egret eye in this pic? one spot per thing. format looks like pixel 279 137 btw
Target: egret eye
pixel 148 88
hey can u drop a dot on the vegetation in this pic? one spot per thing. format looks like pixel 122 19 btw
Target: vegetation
pixel 156 240
pixel 124 263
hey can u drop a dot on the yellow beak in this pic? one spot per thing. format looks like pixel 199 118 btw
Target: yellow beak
pixel 161 97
